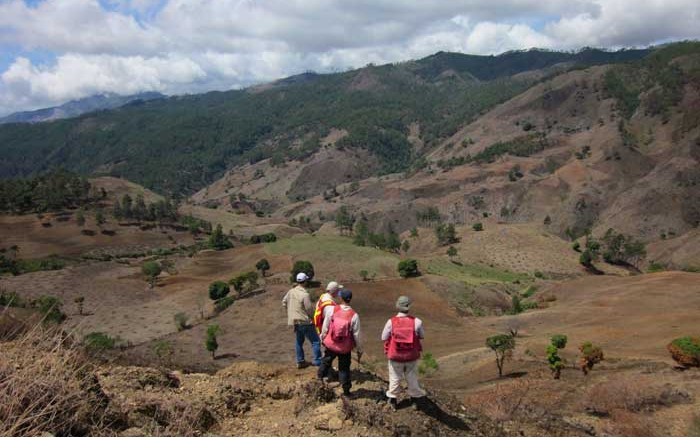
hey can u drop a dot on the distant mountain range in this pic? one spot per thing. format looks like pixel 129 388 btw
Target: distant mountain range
pixel 78 107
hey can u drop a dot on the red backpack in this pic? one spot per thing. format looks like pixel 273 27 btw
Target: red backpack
pixel 404 344
pixel 339 337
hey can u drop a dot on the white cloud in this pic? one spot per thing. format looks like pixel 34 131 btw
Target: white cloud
pixel 74 76
pixel 195 45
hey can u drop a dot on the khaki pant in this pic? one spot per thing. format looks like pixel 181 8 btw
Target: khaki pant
pixel 399 371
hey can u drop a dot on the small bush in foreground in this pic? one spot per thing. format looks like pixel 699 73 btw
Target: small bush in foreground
pixel 556 363
pixel 590 356
pixel 210 342
pixel 427 364
pixel 181 321
pixel 685 351
pixel 51 308
pixel 99 342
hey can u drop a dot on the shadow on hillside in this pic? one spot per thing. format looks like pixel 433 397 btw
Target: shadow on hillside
pixel 430 408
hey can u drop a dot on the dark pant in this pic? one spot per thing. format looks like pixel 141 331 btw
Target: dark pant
pixel 343 367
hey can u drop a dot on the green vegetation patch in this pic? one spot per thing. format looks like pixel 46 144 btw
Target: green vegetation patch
pixel 472 274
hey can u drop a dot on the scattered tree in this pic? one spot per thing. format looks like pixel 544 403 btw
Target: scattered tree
pixel 478 227
pixel 502 345
pixel 686 351
pixel 590 356
pixel 516 305
pixel 344 221
pixel 408 268
pixel 151 269
pixel 405 246
pixel 556 363
pixel 211 342
pixel 414 232
pixel 263 266
pixel 218 290
pixel 302 266
pixel 446 234
pixel 218 240
pixel 245 282
pixel 547 220
pixel 364 274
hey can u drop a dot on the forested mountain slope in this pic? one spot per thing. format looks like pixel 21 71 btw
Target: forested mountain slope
pixel 181 144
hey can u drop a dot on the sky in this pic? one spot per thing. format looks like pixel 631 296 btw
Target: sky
pixel 52 51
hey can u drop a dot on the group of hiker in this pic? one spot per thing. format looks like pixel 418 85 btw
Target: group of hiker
pixel 333 323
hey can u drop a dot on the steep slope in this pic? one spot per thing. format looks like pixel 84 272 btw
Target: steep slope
pixel 181 144
pixel 578 151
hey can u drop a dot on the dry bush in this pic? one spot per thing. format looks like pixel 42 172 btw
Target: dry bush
pixel 626 424
pixel 46 385
pixel 506 401
pixel 632 394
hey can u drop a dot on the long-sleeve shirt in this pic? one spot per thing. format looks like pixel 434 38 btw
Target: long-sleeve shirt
pixel 298 305
pixel 354 323
pixel 386 333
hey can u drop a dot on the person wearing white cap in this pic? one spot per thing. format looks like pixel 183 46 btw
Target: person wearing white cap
pixel 299 312
pixel 402 336
pixel 326 304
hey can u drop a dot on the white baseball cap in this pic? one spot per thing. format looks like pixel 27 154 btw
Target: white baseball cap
pixel 301 277
pixel 333 287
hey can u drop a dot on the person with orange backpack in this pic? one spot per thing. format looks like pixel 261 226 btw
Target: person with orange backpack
pixel 326 304
pixel 402 337
pixel 340 335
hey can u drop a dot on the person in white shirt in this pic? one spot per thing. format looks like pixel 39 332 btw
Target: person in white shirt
pixel 402 337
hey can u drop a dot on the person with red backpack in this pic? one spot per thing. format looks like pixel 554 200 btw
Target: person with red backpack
pixel 340 335
pixel 402 337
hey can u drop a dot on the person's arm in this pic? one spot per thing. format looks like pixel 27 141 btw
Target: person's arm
pixel 419 328
pixel 356 333
pixel 326 325
pixel 285 299
pixel 386 333
pixel 308 306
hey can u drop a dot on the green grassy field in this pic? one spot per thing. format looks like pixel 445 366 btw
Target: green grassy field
pixel 470 273
pixel 336 257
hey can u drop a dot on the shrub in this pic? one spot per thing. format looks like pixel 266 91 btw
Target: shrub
pixel 218 289
pixel 151 270
pixel 451 252
pixel 163 350
pixel 502 345
pixel 408 268
pixel 576 246
pixel 547 221
pixel 531 290
pixel 685 351
pixel 245 282
pixel 96 342
pixel 538 274
pixel 263 238
pixel 218 240
pixel 478 227
pixel 50 308
pixel 446 234
pixel 590 356
pixel 181 321
pixel 655 267
pixel 263 266
pixel 414 232
pixel 211 342
pixel 516 305
pixel 302 266
pixel 223 303
pixel 405 246
pixel 364 274
pixel 10 299
pixel 553 359
pixel 427 364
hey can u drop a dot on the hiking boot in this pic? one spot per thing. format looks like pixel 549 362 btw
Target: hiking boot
pixel 302 365
pixel 393 403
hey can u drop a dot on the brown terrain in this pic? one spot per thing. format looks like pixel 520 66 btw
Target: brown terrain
pixel 648 190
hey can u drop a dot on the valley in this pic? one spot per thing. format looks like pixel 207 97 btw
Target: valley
pixel 538 193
